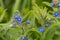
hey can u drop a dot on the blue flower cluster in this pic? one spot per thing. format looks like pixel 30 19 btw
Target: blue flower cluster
pixel 56 14
pixel 52 4
pixel 18 19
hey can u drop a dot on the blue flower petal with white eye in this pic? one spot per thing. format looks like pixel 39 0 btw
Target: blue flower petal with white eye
pixel 16 15
pixel 52 3
pixel 56 14
pixel 19 20
pixel 58 4
pixel 24 38
pixel 41 29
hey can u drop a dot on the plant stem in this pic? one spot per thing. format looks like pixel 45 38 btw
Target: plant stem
pixel 15 8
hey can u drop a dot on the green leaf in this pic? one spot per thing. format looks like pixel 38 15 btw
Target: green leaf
pixel 46 3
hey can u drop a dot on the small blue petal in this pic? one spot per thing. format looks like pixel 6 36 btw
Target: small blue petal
pixel 52 3
pixel 56 14
pixel 41 29
pixel 24 38
pixel 28 21
pixel 18 19
pixel 58 4
pixel 16 15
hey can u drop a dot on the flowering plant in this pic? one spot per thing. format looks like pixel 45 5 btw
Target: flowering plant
pixel 29 20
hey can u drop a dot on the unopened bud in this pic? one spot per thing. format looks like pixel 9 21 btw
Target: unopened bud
pixel 55 1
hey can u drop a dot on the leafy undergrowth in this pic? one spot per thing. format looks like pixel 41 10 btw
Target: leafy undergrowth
pixel 29 20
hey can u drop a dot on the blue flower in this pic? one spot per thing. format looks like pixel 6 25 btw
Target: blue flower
pixel 47 24
pixel 52 3
pixel 24 38
pixel 19 20
pixel 56 14
pixel 16 15
pixel 28 21
pixel 41 29
pixel 58 4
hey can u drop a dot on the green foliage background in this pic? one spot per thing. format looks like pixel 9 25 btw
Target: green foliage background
pixel 32 10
